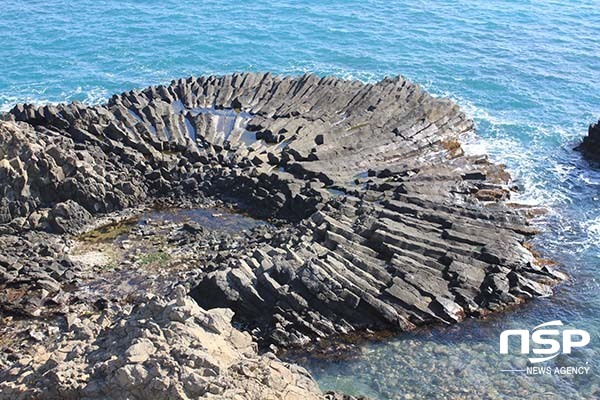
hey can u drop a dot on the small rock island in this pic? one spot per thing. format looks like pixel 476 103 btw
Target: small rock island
pixel 590 147
pixel 338 209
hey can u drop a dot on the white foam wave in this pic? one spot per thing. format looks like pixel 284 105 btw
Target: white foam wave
pixel 593 228
pixel 541 176
pixel 93 96
pixel 590 177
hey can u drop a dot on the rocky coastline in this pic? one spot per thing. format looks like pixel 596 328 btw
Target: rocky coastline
pixel 353 210
pixel 590 146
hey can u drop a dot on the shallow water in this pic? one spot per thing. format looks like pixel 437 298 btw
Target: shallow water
pixel 527 72
pixel 216 219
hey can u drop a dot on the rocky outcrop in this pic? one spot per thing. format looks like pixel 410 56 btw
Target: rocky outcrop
pixel 42 167
pixel 163 348
pixel 590 147
pixel 33 270
pixel 395 265
pixel 383 222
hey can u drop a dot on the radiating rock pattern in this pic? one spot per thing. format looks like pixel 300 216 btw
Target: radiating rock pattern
pixel 590 147
pixel 384 222
pixel 401 263
pixel 203 133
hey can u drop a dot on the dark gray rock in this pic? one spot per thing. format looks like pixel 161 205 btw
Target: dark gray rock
pixel 590 147
pixel 385 223
pixel 69 217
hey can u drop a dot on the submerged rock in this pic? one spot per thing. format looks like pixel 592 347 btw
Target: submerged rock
pixel 590 147
pixel 385 223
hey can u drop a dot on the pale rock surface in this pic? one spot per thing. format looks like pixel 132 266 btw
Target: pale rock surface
pixel 160 349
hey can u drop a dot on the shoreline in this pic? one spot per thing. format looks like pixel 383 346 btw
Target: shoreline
pixel 383 276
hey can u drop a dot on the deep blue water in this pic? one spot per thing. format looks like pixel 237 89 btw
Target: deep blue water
pixel 528 72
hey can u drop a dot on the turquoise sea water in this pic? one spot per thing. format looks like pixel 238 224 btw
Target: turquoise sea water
pixel 528 72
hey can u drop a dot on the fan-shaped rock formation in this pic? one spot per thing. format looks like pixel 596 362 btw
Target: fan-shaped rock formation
pixel 382 221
